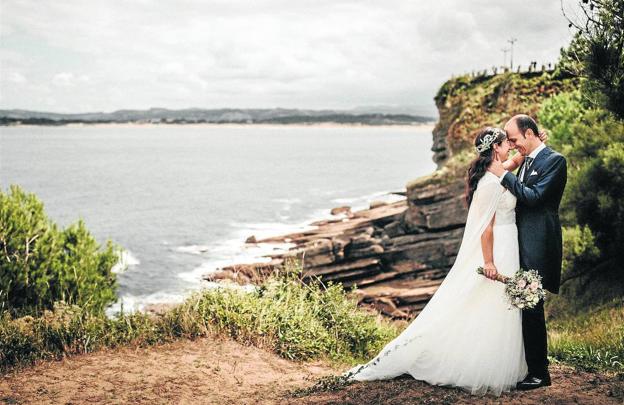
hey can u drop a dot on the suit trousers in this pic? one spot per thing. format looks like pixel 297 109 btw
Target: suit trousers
pixel 535 339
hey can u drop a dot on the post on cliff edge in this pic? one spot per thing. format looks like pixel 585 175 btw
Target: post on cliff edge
pixel 505 50
pixel 512 41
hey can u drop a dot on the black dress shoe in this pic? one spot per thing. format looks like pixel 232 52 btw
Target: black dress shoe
pixel 531 382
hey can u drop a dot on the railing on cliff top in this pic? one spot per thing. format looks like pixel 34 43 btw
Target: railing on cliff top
pixel 531 69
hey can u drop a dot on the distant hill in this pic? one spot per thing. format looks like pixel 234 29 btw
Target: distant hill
pixel 218 116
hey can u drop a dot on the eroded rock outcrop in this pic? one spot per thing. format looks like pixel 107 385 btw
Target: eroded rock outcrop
pixel 396 254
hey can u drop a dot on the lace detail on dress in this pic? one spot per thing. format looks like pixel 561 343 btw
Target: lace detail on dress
pixel 506 210
pixel 376 360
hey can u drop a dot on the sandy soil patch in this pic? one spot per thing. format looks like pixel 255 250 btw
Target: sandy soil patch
pixel 221 371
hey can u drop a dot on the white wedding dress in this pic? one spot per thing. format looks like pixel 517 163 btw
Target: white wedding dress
pixel 466 336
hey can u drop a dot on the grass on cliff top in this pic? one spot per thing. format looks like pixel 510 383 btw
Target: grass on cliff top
pixel 295 320
pixel 468 104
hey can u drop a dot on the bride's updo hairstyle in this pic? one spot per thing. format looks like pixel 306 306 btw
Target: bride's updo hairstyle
pixel 484 145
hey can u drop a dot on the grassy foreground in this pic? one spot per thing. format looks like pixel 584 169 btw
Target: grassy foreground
pixel 590 340
pixel 297 321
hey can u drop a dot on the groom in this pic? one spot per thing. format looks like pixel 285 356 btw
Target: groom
pixel 538 188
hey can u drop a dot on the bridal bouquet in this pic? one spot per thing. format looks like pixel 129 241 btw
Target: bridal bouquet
pixel 524 289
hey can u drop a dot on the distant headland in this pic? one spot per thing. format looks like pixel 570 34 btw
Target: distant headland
pixel 214 116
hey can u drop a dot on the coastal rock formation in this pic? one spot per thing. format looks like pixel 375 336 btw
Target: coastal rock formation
pixel 397 254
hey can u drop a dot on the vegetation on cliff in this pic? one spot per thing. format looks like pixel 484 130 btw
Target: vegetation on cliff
pixel 41 264
pixel 55 283
pixel 592 213
pixel 467 104
pixel 597 52
pixel 591 340
pixel 298 321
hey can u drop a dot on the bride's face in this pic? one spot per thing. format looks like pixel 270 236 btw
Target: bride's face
pixel 502 150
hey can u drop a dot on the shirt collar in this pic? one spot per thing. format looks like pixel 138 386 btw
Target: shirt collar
pixel 537 150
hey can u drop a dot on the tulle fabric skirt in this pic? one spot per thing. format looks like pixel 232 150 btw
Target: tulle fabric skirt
pixel 467 337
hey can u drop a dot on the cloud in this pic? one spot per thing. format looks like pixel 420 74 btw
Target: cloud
pixel 69 79
pixel 16 77
pixel 310 54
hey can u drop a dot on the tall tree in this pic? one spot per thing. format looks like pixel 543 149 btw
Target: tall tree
pixel 597 51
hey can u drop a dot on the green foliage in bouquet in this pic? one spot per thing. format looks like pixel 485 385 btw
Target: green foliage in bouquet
pixel 41 264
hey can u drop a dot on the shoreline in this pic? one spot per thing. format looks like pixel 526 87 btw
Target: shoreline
pixel 267 245
pixel 425 126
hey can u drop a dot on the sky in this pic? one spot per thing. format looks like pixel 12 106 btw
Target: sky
pixel 86 56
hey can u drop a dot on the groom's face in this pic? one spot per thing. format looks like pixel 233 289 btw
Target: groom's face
pixel 516 139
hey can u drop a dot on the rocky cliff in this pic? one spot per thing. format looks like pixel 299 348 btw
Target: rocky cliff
pixel 398 254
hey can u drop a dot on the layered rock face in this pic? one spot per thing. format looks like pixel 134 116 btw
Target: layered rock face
pixel 398 254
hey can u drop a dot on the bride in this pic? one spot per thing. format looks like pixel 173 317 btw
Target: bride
pixel 466 336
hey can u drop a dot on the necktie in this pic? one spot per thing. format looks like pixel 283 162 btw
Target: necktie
pixel 527 166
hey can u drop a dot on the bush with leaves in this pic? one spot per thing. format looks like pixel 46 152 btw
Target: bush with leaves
pixel 597 52
pixel 579 251
pixel 592 139
pixel 296 320
pixel 41 264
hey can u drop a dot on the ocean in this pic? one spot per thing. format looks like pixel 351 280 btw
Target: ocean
pixel 182 200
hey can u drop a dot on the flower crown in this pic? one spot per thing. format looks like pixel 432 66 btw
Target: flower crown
pixel 488 139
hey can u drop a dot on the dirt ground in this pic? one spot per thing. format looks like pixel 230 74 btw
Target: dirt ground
pixel 569 387
pixel 221 371
pixel 204 371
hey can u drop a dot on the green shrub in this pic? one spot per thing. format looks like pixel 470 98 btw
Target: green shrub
pixel 579 250
pixel 597 192
pixel 559 114
pixel 297 321
pixel 591 210
pixel 41 264
pixel 597 52
pixel 593 142
pixel 294 319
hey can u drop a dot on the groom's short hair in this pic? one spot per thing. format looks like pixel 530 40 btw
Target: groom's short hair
pixel 525 122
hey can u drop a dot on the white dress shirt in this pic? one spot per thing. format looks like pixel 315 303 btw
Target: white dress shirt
pixel 532 155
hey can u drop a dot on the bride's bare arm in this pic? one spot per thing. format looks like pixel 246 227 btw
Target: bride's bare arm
pixel 513 163
pixel 487 247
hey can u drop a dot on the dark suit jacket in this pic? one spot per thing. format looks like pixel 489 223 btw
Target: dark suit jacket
pixel 537 215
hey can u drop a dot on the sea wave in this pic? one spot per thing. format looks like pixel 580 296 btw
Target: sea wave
pixel 233 251
pixel 193 249
pixel 287 203
pixel 126 260
pixel 363 202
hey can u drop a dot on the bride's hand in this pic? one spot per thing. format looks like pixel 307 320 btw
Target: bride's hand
pixel 543 136
pixel 490 271
pixel 496 166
